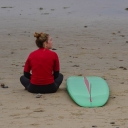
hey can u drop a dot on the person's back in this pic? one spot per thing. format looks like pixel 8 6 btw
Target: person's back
pixel 44 67
pixel 42 64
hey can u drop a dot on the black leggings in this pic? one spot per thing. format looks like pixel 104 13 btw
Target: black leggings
pixel 50 88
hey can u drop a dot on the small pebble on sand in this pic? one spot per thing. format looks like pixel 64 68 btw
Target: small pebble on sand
pixel 3 85
pixel 112 122
pixel 94 126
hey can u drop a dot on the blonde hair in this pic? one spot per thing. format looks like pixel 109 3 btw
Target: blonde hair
pixel 41 38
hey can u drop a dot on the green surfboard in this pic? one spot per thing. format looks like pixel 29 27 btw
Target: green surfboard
pixel 90 91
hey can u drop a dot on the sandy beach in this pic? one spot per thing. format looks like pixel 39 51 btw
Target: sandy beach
pixel 90 34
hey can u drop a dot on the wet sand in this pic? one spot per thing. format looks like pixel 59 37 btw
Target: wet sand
pixel 92 35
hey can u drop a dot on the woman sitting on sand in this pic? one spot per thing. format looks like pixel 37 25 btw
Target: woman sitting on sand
pixel 44 65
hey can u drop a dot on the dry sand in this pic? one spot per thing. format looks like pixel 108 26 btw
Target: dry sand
pixel 97 45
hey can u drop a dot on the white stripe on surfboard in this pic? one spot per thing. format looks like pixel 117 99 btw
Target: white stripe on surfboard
pixel 88 87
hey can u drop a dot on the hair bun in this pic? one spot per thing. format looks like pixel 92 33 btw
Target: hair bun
pixel 37 35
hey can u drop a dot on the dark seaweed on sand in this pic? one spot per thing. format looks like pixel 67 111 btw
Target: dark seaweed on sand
pixel 6 7
pixel 126 9
pixel 40 8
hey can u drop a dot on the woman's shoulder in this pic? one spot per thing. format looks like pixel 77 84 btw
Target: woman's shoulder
pixel 33 52
pixel 53 53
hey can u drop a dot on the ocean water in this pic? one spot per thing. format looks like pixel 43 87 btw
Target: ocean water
pixel 59 13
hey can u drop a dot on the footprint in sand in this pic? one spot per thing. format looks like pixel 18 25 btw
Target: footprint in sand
pixel 61 117
pixel 27 107
pixel 34 124
pixel 45 13
pixel 52 9
pixel 39 110
pixel 15 114
pixel 65 7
